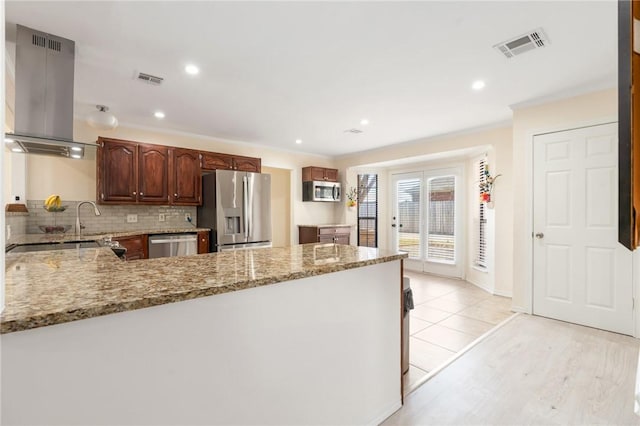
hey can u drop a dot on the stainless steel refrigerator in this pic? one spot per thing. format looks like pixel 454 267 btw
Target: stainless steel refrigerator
pixel 237 208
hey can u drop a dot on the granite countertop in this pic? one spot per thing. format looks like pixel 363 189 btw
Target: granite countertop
pixel 59 238
pixel 53 287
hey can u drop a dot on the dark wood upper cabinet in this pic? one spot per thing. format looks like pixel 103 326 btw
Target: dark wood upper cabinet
pixel 247 164
pixel 214 161
pixel 153 174
pixel 131 173
pixel 312 173
pixel 185 178
pixel 137 173
pixel 117 167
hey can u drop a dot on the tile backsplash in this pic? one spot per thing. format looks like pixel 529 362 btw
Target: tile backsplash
pixel 111 219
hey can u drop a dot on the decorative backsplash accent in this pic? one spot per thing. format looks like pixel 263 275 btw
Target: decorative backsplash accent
pixel 112 218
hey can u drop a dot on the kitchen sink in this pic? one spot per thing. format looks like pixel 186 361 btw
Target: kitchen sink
pixel 67 245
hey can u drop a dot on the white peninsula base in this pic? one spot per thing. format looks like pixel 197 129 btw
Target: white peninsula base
pixel 318 350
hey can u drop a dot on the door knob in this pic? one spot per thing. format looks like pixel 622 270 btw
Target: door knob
pixel 539 235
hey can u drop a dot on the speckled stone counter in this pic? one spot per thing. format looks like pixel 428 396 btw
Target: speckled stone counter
pixel 53 287
pixel 57 238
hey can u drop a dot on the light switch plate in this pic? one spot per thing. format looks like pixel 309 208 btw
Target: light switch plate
pixel 132 218
pixel 161 217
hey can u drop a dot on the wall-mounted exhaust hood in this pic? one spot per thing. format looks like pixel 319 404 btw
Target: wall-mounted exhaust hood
pixel 44 95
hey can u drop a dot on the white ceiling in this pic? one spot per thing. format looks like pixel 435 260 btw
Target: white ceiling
pixel 274 72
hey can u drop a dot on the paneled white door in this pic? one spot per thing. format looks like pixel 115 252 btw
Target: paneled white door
pixel 581 274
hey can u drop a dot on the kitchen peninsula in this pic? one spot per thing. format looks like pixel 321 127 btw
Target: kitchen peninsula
pixel 303 334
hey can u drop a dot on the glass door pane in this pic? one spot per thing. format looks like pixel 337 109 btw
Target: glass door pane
pixel 408 216
pixel 441 219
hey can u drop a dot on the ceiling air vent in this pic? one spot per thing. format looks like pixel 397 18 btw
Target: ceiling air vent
pixel 523 43
pixel 151 79
pixel 354 131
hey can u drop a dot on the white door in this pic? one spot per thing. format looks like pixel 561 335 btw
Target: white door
pixel 426 220
pixel 581 274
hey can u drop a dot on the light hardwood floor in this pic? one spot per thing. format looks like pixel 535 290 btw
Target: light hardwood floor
pixel 532 371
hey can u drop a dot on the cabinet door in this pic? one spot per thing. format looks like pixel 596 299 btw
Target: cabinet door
pixel 331 175
pixel 213 161
pixel 186 181
pixel 317 173
pixel 136 245
pixel 247 164
pixel 117 171
pixel 342 239
pixel 203 242
pixel 153 174
pixel 307 234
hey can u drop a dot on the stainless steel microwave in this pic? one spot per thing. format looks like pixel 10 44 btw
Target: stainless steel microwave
pixel 318 190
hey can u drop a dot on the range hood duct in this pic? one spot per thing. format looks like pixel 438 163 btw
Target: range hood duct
pixel 44 95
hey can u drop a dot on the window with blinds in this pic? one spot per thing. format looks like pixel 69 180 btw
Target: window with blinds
pixel 368 210
pixel 441 219
pixel 481 247
pixel 408 198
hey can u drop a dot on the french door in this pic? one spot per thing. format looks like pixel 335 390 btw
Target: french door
pixel 426 220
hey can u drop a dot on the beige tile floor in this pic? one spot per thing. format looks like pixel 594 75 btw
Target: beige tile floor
pixel 449 314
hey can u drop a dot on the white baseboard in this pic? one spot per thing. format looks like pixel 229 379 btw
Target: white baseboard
pixel 503 294
pixel 519 309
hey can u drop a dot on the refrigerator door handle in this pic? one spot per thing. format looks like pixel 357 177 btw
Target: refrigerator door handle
pixel 245 202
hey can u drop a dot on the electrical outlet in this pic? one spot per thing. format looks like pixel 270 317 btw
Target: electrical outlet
pixel 161 217
pixel 132 218
pixel 187 217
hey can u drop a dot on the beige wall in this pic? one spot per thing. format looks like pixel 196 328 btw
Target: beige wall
pixel 589 109
pixel 499 139
pixel 280 205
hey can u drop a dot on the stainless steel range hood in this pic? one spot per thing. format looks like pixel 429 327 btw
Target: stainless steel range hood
pixel 44 95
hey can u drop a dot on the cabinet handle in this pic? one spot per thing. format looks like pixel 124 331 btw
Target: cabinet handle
pixel 141 193
pixel 175 195
pixel 134 192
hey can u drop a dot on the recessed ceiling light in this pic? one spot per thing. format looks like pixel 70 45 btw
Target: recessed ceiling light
pixel 75 156
pixel 298 141
pixel 191 69
pixel 364 121
pixel 159 114
pixel 478 85
pixel 16 150
pixel 76 148
pixel 7 140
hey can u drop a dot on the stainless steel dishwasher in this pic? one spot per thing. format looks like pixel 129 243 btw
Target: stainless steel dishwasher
pixel 167 245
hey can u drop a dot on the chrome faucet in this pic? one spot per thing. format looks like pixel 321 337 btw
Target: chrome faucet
pixel 79 225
